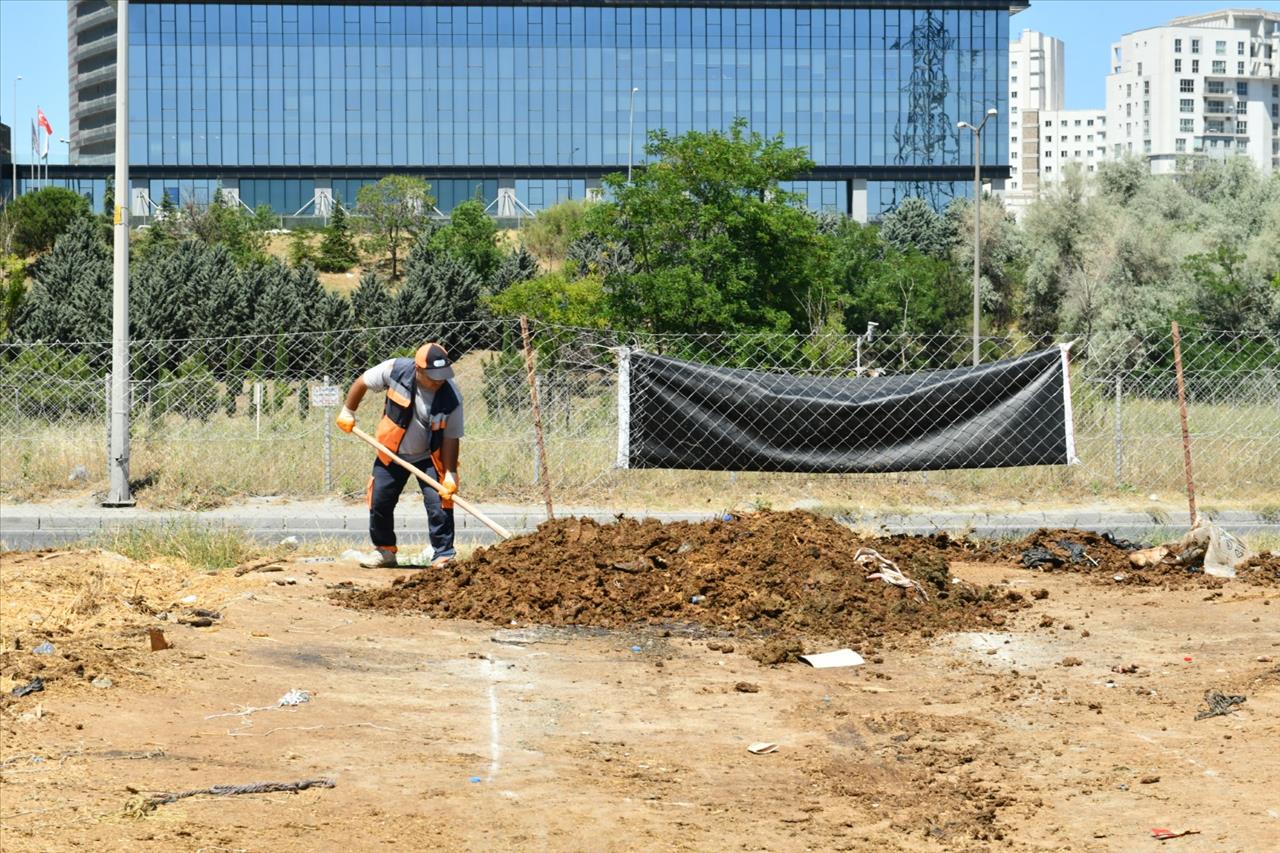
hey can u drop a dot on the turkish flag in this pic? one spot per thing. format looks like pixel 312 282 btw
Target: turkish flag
pixel 43 121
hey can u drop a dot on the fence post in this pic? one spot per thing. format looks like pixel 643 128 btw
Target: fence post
pixel 257 410
pixel 328 446
pixel 1119 432
pixel 537 415
pixel 1182 415
pixel 107 409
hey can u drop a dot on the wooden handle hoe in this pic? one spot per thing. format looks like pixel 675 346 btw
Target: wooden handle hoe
pixel 421 475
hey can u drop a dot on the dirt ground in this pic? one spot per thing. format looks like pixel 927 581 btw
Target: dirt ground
pixel 1070 726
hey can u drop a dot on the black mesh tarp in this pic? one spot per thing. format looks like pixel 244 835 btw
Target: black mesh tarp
pixel 678 414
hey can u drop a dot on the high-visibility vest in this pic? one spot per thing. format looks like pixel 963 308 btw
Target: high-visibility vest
pixel 398 411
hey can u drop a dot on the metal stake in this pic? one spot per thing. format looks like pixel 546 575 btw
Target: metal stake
pixel 1182 414
pixel 328 446
pixel 1119 432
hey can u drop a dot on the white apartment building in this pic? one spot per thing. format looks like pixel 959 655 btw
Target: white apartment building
pixel 1201 85
pixel 1035 84
pixel 1071 136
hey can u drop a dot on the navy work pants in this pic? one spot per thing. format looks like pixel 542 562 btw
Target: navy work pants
pixel 384 491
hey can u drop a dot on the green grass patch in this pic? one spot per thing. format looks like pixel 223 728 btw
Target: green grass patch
pixel 200 546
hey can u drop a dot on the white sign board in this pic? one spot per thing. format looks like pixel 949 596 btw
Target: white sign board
pixel 325 396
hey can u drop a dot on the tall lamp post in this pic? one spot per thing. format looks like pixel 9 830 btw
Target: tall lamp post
pixel 631 130
pixel 977 216
pixel 13 140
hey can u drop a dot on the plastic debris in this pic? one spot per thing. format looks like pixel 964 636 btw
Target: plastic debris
pixel 635 648
pixel 763 748
pixel 79 474
pixel 1222 551
pixel 1161 834
pixel 45 648
pixel 102 682
pixel 294 697
pixel 35 685
pixel 827 660
pixel 697 599
pixel 190 599
pixel 1220 704
pixel 887 571
pixel 289 541
pixel 475 780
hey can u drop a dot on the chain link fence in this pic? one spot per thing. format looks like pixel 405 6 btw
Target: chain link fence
pixel 216 420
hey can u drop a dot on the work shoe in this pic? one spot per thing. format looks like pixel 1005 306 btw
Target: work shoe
pixel 381 558
pixel 441 561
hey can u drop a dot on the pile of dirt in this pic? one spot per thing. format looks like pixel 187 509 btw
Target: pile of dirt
pixel 1108 559
pixel 70 617
pixel 788 576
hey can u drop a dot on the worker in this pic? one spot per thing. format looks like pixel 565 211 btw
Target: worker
pixel 421 419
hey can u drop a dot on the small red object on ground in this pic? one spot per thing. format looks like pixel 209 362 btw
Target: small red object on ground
pixel 1165 834
pixel 1188 660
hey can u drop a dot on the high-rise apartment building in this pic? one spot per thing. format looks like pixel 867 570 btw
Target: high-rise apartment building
pixel 1205 85
pixel 1070 136
pixel 532 102
pixel 91 77
pixel 1035 84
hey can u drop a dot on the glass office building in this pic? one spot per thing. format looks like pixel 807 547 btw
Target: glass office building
pixel 279 100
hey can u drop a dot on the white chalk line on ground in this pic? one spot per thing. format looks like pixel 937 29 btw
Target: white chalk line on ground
pixel 495 728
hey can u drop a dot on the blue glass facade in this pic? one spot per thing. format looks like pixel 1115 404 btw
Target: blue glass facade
pixel 288 97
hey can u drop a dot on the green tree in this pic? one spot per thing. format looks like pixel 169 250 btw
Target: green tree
pixel 471 237
pixel 438 290
pixel 517 266
pixel 1003 258
pixel 555 298
pixel 300 249
pixel 908 293
pixel 70 297
pixel 915 225
pixel 1226 296
pixel 13 294
pixel 39 218
pixel 717 244
pixel 337 249
pixel 394 211
pixel 550 231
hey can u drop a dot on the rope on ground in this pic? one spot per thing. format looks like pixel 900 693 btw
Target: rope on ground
pixel 1220 704
pixel 139 806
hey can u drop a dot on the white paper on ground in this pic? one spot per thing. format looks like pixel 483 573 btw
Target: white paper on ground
pixel 762 748
pixel 826 660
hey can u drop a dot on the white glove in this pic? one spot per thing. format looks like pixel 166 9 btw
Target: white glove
pixel 450 483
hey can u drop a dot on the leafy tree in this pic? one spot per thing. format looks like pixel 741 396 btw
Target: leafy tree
pixel 337 249
pixel 1226 297
pixel 908 293
pixel 13 293
pixel 555 298
pixel 551 230
pixel 70 299
pixel 717 244
pixel 1059 228
pixel 915 225
pixel 38 218
pixel 471 237
pixel 1122 179
pixel 394 210
pixel 1003 258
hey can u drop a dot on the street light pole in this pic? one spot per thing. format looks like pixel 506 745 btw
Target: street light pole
pixel 13 140
pixel 977 228
pixel 120 493
pixel 631 130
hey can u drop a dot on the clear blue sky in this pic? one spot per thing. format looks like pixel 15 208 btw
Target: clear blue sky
pixel 33 43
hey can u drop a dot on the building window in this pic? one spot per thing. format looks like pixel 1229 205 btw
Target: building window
pixel 1195 66
pixel 1048 124
pixel 1014 78
pixel 1177 45
pixel 1220 48
pixel 1275 90
pixel 1216 107
pixel 1195 45
pixel 1077 137
pixel 1139 69
pixel 1242 89
pixel 1077 125
pixel 1275 110
pixel 1239 69
pixel 1187 105
pixel 1177 66
pixel 1090 122
pixel 1180 144
pixel 1048 139
pixel 1219 66
pixel 1242 107
pixel 1090 167
pixel 1242 127
pixel 1128 90
pixel 1186 125
pixel 1128 110
pixel 1076 153
pixel 1048 153
pixel 1239 48
pixel 1146 146
pixel 1048 169
pixel 1215 87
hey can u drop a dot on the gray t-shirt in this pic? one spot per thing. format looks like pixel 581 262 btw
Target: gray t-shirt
pixel 416 441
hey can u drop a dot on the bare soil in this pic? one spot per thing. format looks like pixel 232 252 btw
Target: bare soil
pixel 1072 726
pixel 787 577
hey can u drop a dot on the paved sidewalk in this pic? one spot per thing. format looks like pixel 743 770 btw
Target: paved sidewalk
pixel 29 525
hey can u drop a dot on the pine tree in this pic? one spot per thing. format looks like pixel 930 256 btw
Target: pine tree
pixel 914 225
pixel 445 292
pixel 371 308
pixel 71 297
pixel 337 249
pixel 516 267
